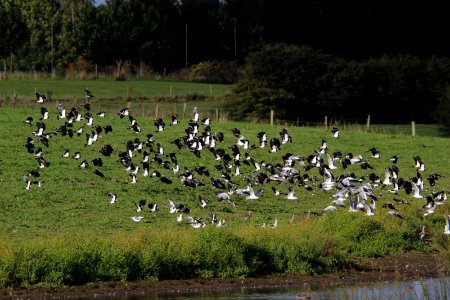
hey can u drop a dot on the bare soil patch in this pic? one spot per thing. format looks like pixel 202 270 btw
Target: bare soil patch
pixel 366 271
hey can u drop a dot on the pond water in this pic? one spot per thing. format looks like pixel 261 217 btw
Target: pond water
pixel 430 288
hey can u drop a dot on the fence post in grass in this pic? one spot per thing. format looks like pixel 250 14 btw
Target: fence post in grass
pixel 171 92
pixel 217 114
pixel 326 122
pixel 156 111
pixel 210 90
pixel 271 117
pixel 368 122
pixel 184 110
pixel 413 128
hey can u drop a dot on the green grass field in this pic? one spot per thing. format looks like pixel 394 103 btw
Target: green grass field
pixel 67 231
pixel 64 90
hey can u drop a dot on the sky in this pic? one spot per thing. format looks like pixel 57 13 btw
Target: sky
pixel 98 2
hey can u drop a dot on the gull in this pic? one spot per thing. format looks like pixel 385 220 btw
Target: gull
pixel 338 203
pixel 291 219
pixel 370 210
pixel 254 195
pixel 274 225
pixel 172 208
pixel 332 162
pixel 417 190
pixel 221 223
pixel 431 207
pixel 423 233
pixel 387 177
pixel 447 225
pixel 212 216
pixel 395 189
pixel 137 218
pixel 195 223
pixel 354 205
pixel 225 196
pixel 291 194
pixel 329 208
pixel 395 214
pixel 328 179
pixel 203 201
pixel 179 218
pixel 247 216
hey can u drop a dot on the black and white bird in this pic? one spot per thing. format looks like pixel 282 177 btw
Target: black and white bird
pixel 88 94
pixel 335 132
pixel 40 98
pixel 140 205
pixel 160 124
pixel 42 162
pixel 291 194
pixel 262 137
pixel 275 145
pixel 113 197
pixel 124 112
pixel 285 137
pixel 98 173
pixel 29 120
pixel 153 207
pixel 44 113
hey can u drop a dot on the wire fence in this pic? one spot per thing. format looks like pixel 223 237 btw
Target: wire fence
pixel 220 111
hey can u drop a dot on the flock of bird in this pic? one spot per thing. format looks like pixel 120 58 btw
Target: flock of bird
pixel 146 157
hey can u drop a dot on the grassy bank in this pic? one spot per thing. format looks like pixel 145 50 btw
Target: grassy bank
pixel 67 232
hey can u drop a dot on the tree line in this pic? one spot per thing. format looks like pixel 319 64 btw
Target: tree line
pixel 43 35
pixel 301 57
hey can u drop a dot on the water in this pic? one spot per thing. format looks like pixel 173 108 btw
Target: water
pixel 430 288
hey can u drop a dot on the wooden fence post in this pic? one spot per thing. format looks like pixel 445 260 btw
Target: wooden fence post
pixel 171 92
pixel 210 90
pixel 413 128
pixel 156 111
pixel 217 114
pixel 368 122
pixel 271 117
pixel 326 122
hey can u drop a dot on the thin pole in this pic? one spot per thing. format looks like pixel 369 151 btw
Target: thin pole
pixel 185 48
pixel 235 41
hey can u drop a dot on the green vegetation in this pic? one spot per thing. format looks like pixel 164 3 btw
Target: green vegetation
pixel 107 89
pixel 67 232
